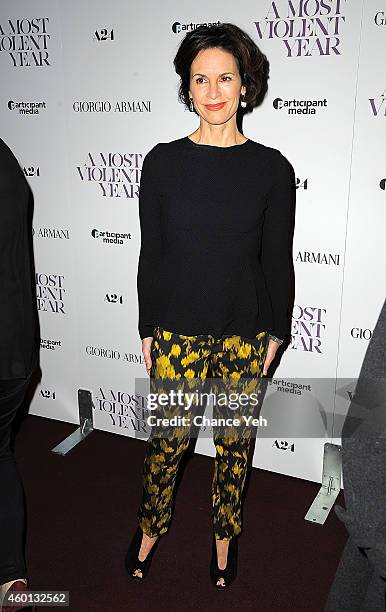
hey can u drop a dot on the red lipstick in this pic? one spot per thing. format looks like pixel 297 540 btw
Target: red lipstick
pixel 213 107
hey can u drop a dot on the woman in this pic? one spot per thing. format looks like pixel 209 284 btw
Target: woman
pixel 214 271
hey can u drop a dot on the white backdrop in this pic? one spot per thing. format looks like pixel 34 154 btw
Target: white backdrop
pixel 103 91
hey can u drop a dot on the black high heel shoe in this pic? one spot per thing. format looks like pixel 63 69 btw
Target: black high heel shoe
pixel 132 563
pixel 229 573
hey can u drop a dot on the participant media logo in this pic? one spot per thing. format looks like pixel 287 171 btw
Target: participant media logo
pixel 26 108
pixel 299 107
pixel 178 27
pixel 110 237
pixel 50 345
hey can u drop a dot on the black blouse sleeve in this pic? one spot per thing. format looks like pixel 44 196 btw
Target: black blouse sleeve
pixel 149 203
pixel 276 256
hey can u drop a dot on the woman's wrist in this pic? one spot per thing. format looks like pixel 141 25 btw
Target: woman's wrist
pixel 276 339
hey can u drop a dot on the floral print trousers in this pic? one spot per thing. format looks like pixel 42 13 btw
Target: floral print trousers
pixel 187 359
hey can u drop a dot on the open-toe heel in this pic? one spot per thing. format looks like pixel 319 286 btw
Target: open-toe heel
pixel 229 573
pixel 132 563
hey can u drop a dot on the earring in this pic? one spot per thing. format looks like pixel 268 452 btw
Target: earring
pixel 191 106
pixel 243 103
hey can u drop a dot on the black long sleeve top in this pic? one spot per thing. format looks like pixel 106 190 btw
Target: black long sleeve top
pixel 216 238
pixel 19 322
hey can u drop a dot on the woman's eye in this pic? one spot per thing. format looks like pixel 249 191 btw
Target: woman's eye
pixel 200 79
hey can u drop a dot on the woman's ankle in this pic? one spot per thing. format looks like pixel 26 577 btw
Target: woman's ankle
pixel 146 546
pixel 222 554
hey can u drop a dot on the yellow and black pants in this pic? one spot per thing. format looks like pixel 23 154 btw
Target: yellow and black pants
pixel 188 358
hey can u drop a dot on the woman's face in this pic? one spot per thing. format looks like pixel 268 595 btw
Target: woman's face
pixel 215 80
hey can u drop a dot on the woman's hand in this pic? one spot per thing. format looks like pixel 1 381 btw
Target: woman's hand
pixel 146 351
pixel 270 354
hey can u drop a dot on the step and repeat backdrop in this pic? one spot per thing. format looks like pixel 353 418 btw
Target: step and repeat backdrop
pixel 89 87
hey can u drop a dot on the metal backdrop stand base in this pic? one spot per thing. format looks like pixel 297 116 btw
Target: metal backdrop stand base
pixel 86 424
pixel 331 485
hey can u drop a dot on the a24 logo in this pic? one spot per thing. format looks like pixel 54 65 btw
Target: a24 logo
pixel 47 394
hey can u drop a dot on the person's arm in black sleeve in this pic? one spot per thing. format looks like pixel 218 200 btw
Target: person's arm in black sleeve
pixel 149 202
pixel 277 244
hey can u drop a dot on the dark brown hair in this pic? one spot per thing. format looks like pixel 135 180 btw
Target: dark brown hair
pixel 252 64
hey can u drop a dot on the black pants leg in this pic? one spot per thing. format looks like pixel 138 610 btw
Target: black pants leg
pixel 12 561
pixel 357 586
